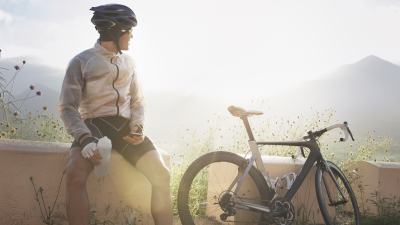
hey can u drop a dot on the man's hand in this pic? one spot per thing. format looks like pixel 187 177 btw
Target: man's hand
pixel 135 140
pixel 91 153
pixel 95 159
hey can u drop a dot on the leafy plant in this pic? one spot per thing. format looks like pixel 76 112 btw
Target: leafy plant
pixel 34 126
pixel 47 215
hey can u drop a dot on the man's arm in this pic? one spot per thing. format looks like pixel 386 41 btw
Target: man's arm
pixel 70 99
pixel 138 103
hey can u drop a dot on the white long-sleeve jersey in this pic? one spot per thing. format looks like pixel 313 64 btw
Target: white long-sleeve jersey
pixel 100 83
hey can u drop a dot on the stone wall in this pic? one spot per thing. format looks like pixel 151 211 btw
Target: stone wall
pixel 123 193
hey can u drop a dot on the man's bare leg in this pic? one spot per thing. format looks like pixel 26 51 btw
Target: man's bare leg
pixel 151 165
pixel 78 171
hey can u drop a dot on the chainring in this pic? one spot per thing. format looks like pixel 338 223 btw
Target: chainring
pixel 288 214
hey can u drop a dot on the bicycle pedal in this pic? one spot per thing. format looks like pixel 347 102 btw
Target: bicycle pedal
pixel 339 203
pixel 223 216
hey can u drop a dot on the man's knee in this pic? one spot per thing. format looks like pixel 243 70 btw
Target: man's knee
pixel 161 178
pixel 76 175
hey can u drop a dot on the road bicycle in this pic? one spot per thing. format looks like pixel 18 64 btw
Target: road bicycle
pixel 225 188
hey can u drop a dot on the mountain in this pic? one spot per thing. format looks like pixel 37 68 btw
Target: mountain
pixel 364 93
pixel 370 67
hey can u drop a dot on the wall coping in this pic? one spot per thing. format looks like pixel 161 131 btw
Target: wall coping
pixel 394 165
pixel 41 146
pixel 300 161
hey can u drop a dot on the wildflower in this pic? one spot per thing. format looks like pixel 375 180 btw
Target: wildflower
pixel 32 87
pixel 387 160
pixel 386 150
pixel 54 126
pixel 16 67
pixel 12 131
pixel 39 134
pixel 7 125
pixel 333 154
pixel 39 93
pixel 24 62
pixel 3 134
pixel 16 113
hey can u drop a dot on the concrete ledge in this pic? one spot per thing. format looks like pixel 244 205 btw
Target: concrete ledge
pixel 370 177
pixel 124 192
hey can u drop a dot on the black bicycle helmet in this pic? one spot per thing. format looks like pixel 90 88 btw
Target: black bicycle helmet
pixel 113 17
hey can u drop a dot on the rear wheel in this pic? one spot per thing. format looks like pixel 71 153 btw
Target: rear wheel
pixel 204 193
pixel 334 208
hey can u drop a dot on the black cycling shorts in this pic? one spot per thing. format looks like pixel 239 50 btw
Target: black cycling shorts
pixel 115 128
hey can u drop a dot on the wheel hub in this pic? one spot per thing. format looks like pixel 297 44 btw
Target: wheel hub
pixel 225 200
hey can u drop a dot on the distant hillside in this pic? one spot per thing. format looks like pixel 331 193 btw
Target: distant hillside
pixel 364 93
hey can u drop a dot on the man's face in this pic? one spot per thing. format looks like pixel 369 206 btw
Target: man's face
pixel 124 41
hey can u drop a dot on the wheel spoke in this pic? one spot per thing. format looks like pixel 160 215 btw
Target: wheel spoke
pixel 207 197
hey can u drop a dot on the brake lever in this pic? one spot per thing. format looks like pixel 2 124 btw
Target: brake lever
pixel 348 129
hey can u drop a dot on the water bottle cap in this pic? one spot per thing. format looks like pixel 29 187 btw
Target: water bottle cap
pixel 105 142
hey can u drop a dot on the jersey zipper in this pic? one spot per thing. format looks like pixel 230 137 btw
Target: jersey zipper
pixel 114 86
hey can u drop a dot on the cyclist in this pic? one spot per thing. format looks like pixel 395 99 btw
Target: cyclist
pixel 103 84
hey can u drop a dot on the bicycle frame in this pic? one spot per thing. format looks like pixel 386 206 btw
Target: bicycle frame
pixel 314 156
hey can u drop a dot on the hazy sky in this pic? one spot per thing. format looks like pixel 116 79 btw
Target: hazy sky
pixel 215 46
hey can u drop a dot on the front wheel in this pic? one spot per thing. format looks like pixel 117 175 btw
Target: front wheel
pixel 334 208
pixel 209 182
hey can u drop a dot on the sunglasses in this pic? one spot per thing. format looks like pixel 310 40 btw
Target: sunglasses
pixel 127 31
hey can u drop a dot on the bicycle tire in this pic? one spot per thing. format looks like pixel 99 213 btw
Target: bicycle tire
pixel 340 213
pixel 198 203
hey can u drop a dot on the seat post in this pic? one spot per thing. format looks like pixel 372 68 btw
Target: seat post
pixel 248 128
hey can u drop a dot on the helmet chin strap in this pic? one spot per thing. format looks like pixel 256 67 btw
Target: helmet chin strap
pixel 116 40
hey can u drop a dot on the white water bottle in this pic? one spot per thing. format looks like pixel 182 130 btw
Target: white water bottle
pixel 104 146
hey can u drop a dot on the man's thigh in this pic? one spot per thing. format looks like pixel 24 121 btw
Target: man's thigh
pixel 152 166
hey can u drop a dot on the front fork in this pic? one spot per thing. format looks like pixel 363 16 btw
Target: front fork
pixel 327 169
